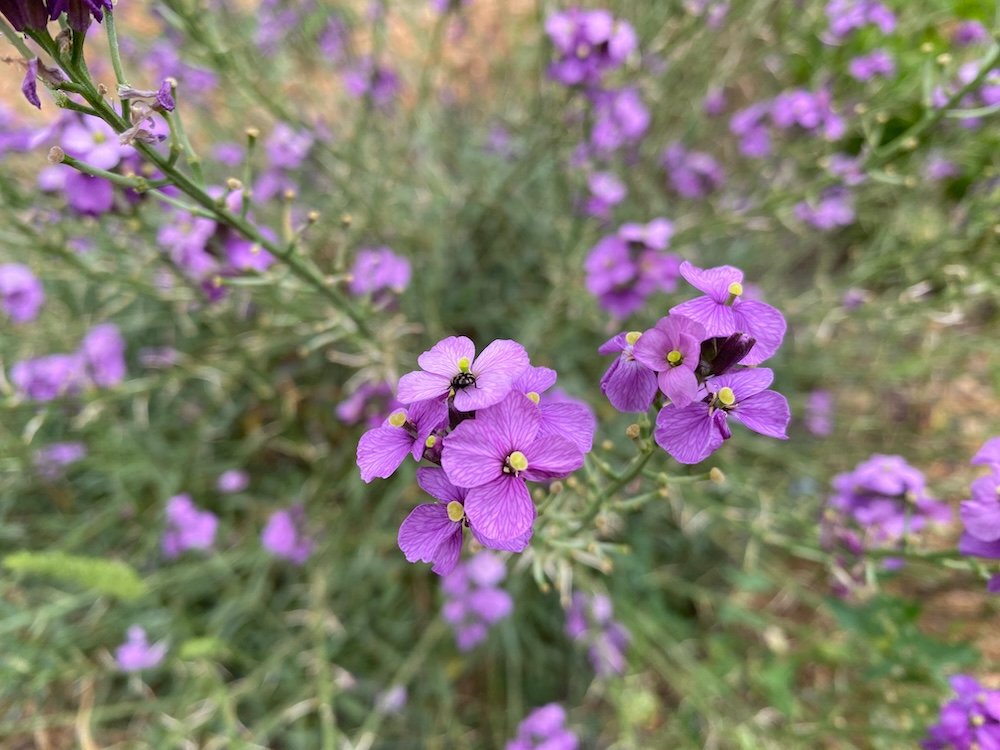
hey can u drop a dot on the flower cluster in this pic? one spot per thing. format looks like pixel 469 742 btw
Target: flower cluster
pixel 972 720
pixel 692 174
pixel 699 358
pixel 981 514
pixel 590 621
pixel 99 362
pixel 544 729
pixel 625 268
pixel 588 44
pixel 473 598
pixel 486 425
pixel 847 16
pixel 35 14
pixel 379 272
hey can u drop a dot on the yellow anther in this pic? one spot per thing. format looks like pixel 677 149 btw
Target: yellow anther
pixel 632 336
pixel 464 364
pixel 100 138
pixel 431 441
pixel 977 720
pixel 397 418
pixel 674 357
pixel 517 461
pixel 533 396
pixel 726 396
pixel 455 511
pixel 735 289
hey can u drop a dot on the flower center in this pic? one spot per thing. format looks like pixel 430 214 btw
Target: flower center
pixel 735 290
pixel 397 418
pixel 99 138
pixel 431 441
pixel 455 511
pixel 465 378
pixel 533 396
pixel 977 720
pixel 725 396
pixel 516 463
pixel 632 336
pixel 674 357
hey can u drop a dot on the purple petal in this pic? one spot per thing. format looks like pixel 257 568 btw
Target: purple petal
pixel 515 422
pixel 442 358
pixel 569 420
pixel 421 386
pixel 428 416
pixel 629 385
pixel 428 535
pixel 764 323
pixel 501 510
pixel 651 349
pixel 434 482
pixel 970 545
pixel 517 544
pixel 989 454
pixel 712 281
pixel 679 384
pixel 495 369
pixel 382 450
pixel 535 380
pixel 471 456
pixel 745 383
pixel 613 345
pixel 766 413
pixel 688 434
pixel 717 318
pixel 29 87
pixel 492 605
pixel 552 457
pixel 981 519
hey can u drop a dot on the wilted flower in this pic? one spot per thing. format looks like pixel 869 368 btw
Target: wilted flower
pixel 136 653
pixel 21 293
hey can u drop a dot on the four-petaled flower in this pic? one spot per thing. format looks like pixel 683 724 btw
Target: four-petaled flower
pixel 672 349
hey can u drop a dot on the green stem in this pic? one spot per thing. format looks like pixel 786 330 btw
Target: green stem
pixel 116 57
pixel 14 38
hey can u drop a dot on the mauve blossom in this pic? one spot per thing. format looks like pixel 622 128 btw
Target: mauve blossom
pixel 748 123
pixel 368 79
pixel 562 415
pixel 989 454
pixel 51 460
pixel 877 63
pixel 473 598
pixel 938 167
pixel 136 653
pixel 605 192
pixel 629 385
pixel 379 271
pixel 811 111
pixel 588 43
pixel 544 729
pixel 25 14
pixel 620 119
pixel 246 255
pixel 969 722
pixel 589 620
pixel 371 403
pixel 672 349
pixel 103 354
pixel 232 480
pixel 87 195
pixel 286 147
pixel 407 431
pixel 188 527
pixel 819 413
pixel 835 208
pixel 970 32
pixel 846 16
pixel 284 535
pixel 714 103
pixel 49 377
pixel 692 174
pixel 21 293
pixel 93 141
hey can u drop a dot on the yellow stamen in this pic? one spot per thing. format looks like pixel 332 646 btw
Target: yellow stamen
pixel 518 461
pixel 431 441
pixel 397 418
pixel 735 289
pixel 455 511
pixel 533 396
pixel 978 721
pixel 464 364
pixel 632 336
pixel 675 357
pixel 726 396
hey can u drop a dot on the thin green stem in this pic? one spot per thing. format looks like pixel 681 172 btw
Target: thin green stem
pixel 116 57
pixel 14 38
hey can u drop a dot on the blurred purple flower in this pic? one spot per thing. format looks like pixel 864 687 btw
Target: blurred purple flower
pixel 232 480
pixel 809 110
pixel 21 293
pixel 49 377
pixel 286 147
pixel 877 63
pixel 692 174
pixel 589 620
pixel 103 354
pixel 714 103
pixel 835 208
pixel 93 141
pixel 284 535
pixel 605 192
pixel 51 460
pixel 819 413
pixel 87 195
pixel 846 16
pixel 136 654
pixel 620 119
pixel 970 32
pixel 380 272
pixel 544 729
pixel 188 527
pixel 970 721
pixel 371 403
pixel 588 43
pixel 473 599
pixel 749 125
pixel 938 167
pixel 379 83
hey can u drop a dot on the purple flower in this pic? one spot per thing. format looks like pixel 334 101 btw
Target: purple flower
pixel 724 311
pixel 49 377
pixel 79 12
pixel 989 454
pixel 811 111
pixel 495 454
pixel 972 720
pixel 605 192
pixel 749 125
pixel 93 141
pixel 136 654
pixel 819 413
pixel 393 700
pixel 371 403
pixel 835 208
pixel 284 535
pixel 589 620
pixel 847 168
pixel 693 433
pixel 692 174
pixel 286 147
pixel 21 293
pixel 562 416
pixel 103 354
pixel 969 32
pixel 544 729
pixel 620 119
pixel 876 63
pixel 473 599
pixel 672 349
pixel 379 270
pixel 714 103
pixel 588 43
pixel 232 480
pixel 452 368
pixel 25 14
pixel 52 459
pixel 407 431
pixel 939 168
pixel 244 255
pixel 629 385
pixel 845 16
pixel 981 514
pixel 333 40
pixel 87 195
pixel 370 80
pixel 188 527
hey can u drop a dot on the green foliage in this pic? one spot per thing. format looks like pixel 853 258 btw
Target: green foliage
pixel 102 576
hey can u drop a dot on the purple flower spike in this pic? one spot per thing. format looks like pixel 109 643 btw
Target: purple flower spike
pixel 21 293
pixel 452 367
pixel 693 433
pixel 137 654
pixel 494 454
pixel 672 349
pixel 629 385
pixel 406 431
pixel 724 311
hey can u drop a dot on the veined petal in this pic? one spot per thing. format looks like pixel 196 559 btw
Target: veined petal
pixel 744 383
pixel 679 384
pixel 629 385
pixel 613 345
pixel 717 318
pixel 764 323
pixel 552 457
pixel 446 557
pixel 517 544
pixel 502 509
pixel 712 281
pixel 434 482
pixel 981 519
pixel 569 420
pixel 766 413
pixel 484 394
pixel 688 434
pixel 381 450
pixel 970 545
pixel 514 422
pixel 421 386
pixel 425 530
pixel 500 364
pixel 989 454
pixel 428 416
pixel 652 347
pixel 442 358
pixel 472 454
pixel 535 380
